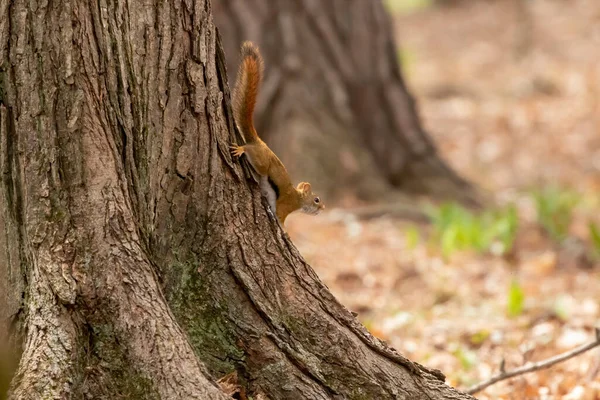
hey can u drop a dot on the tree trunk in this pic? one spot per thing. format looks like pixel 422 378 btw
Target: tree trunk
pixel 332 89
pixel 136 259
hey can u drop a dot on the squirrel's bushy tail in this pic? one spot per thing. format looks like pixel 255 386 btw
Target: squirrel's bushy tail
pixel 246 89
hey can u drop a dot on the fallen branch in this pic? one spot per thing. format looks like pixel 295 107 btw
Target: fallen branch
pixel 535 366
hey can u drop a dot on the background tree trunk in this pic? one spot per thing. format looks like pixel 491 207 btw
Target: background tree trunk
pixel 136 259
pixel 332 89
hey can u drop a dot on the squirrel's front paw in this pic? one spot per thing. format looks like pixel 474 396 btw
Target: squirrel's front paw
pixel 236 151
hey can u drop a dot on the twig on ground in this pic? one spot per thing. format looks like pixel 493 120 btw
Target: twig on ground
pixel 536 366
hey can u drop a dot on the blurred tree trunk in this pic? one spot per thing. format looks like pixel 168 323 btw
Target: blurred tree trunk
pixel 136 259
pixel 333 88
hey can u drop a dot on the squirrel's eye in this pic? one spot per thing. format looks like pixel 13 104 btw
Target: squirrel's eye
pixel 317 200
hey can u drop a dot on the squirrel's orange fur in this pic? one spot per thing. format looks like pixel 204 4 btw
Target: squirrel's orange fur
pixel 275 181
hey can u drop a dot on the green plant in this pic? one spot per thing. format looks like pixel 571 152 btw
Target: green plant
pixel 467 358
pixel 479 337
pixel 458 229
pixel 595 239
pixel 406 60
pixel 555 210
pixel 412 237
pixel 516 298
pixel 406 6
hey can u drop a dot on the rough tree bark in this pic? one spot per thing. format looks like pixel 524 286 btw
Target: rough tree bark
pixel 136 259
pixel 333 88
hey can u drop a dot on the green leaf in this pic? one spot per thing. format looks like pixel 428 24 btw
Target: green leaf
pixel 406 6
pixel 449 241
pixel 595 236
pixel 516 298
pixel 412 237
pixel 479 337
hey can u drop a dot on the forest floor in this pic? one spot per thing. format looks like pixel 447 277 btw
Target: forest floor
pixel 511 95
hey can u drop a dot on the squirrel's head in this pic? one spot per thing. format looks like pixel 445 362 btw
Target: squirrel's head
pixel 311 203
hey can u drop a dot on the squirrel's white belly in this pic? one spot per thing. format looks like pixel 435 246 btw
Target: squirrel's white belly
pixel 268 192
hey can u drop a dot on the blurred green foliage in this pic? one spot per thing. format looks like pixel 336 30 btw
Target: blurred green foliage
pixel 406 6
pixel 516 299
pixel 467 358
pixel 458 229
pixel 406 59
pixel 479 337
pixel 555 210
pixel 595 239
pixel 412 237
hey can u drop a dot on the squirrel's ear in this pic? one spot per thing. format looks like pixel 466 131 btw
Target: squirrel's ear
pixel 304 187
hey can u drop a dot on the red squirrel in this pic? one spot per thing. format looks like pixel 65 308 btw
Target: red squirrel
pixel 275 183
